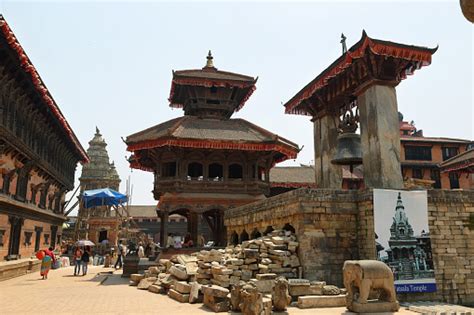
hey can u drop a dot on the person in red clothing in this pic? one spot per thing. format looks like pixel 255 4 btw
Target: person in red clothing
pixel 47 262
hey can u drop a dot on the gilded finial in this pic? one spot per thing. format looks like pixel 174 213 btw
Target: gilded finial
pixel 343 42
pixel 209 63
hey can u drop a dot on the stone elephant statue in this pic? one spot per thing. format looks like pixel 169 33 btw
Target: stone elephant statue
pixel 361 276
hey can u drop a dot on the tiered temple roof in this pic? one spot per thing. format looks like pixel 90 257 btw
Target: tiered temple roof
pixel 208 97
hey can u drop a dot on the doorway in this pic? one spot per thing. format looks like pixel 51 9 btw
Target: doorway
pixel 102 235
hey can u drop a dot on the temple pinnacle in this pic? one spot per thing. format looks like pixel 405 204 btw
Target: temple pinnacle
pixel 209 63
pixel 343 42
pixel 97 131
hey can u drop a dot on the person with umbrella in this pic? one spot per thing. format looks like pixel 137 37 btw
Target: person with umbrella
pixel 77 260
pixel 85 260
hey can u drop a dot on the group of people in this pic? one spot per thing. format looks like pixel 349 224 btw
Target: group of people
pixel 175 242
pixel 81 258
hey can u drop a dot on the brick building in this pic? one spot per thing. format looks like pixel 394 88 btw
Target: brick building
pixel 421 157
pixel 38 155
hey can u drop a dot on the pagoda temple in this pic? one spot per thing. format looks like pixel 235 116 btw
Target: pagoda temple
pixel 97 223
pixel 205 162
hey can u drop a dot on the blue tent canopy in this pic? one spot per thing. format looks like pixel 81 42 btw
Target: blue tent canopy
pixel 102 197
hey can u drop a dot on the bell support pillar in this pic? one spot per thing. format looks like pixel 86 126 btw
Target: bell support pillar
pixel 380 137
pixel 328 175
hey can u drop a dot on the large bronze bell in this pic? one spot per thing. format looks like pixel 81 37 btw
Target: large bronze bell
pixel 349 151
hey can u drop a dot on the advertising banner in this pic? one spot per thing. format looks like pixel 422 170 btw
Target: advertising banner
pixel 403 238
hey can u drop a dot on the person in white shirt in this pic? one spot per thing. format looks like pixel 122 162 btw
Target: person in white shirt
pixel 141 250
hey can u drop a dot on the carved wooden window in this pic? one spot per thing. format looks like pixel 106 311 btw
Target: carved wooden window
pixel 454 180
pixel 43 196
pixel 46 239
pixel 418 153
pixel 435 175
pixel 216 172
pixel 168 169
pixel 195 170
pixel 417 173
pixel 235 171
pixel 449 152
pixel 28 238
pixel 22 182
pixel 2 233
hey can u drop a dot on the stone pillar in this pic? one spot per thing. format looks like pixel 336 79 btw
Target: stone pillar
pixel 193 226
pixel 380 137
pixel 328 175
pixel 163 228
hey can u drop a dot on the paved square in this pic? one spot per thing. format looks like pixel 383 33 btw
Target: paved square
pixel 94 293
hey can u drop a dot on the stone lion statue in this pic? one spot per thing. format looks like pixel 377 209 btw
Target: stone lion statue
pixel 280 297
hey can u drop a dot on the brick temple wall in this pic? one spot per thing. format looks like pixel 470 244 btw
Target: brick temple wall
pixel 335 225
pixel 27 246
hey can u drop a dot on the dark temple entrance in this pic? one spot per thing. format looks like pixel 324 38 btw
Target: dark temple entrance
pixel 15 235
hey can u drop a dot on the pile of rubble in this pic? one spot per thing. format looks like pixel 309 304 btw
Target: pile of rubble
pixel 251 277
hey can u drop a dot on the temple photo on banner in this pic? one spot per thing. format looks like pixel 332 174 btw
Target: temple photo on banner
pixel 403 238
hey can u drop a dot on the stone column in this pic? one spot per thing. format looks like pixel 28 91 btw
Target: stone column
pixel 380 137
pixel 193 226
pixel 328 175
pixel 163 228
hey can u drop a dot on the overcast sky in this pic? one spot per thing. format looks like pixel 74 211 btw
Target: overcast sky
pixel 109 64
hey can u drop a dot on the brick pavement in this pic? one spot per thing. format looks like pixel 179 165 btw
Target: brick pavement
pixel 63 293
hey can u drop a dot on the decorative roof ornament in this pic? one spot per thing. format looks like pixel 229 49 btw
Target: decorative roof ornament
pixel 343 42
pixel 210 62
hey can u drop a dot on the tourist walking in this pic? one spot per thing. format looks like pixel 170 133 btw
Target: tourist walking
pixel 120 251
pixel 77 260
pixel 201 241
pixel 141 250
pixel 47 262
pixel 85 260
pixel 169 241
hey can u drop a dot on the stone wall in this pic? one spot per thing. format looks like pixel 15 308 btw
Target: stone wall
pixel 452 241
pixel 335 225
pixel 324 220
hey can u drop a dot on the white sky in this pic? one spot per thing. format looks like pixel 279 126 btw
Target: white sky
pixel 109 63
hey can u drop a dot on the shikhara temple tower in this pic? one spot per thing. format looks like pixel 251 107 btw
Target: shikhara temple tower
pixel 96 223
pixel 205 162
pixel 406 255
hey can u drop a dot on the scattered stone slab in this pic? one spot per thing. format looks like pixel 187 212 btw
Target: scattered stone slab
pixel 145 283
pixel 136 277
pixel 331 290
pixel 316 301
pixel 182 287
pixel 438 308
pixel 175 295
pixel 214 290
pixel 156 288
pixel 179 272
pixel 194 296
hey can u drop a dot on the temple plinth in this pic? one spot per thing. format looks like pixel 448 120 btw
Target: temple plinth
pixel 363 80
pixel 205 162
